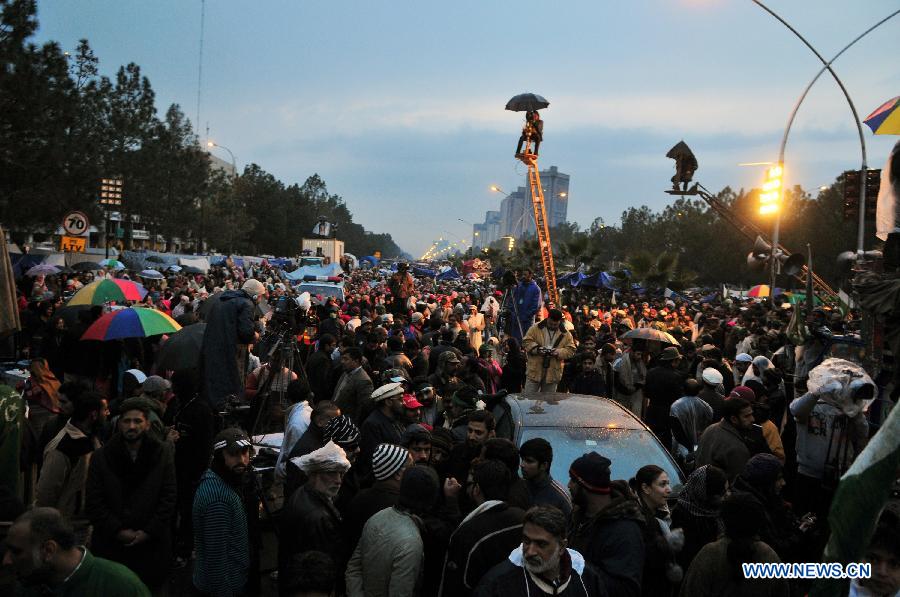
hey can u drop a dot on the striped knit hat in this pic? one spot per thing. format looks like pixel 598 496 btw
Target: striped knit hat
pixel 387 460
pixel 341 431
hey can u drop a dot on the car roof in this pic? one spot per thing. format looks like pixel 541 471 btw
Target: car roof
pixel 571 410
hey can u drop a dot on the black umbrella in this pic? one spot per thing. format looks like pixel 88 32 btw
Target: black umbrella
pixel 207 304
pixel 87 266
pixel 182 349
pixel 156 259
pixel 526 101
pixel 190 269
pixel 70 313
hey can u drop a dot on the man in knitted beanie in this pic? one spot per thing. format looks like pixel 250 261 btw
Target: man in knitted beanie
pixel 606 525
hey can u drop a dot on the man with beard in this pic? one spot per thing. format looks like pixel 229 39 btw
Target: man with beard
pixel 607 525
pixel 383 425
pixel 42 552
pixel 130 497
pixel 310 520
pixel 479 429
pixel 543 565
pixel 221 538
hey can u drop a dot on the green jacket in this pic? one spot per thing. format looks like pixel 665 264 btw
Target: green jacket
pixel 96 576
pixel 388 559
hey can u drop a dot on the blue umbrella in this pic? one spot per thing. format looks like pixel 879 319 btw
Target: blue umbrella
pixel 151 274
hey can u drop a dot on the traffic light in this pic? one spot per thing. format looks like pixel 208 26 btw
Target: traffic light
pixel 111 192
pixel 873 183
pixel 770 197
pixel 851 192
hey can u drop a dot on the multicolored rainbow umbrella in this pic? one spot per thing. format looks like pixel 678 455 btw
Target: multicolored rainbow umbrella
pixel 133 322
pixel 762 290
pixel 885 120
pixel 104 291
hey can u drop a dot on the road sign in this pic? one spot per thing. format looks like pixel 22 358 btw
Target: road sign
pixel 76 223
pixel 74 244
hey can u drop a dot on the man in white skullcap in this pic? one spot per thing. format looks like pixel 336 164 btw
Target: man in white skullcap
pixel 310 520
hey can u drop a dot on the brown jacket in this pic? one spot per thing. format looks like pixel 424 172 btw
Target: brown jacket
pixel 64 472
pixel 537 337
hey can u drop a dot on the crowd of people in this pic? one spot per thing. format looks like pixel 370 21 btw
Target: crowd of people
pixel 392 477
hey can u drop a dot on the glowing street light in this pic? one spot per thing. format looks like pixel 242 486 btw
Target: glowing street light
pixel 770 197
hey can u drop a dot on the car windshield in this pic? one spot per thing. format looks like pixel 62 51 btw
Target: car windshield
pixel 628 449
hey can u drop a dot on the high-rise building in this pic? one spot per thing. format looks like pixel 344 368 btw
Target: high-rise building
pixel 491 227
pixel 479 236
pixel 555 185
pixel 513 215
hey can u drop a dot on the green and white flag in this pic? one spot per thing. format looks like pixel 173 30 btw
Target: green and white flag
pixel 12 419
pixel 859 500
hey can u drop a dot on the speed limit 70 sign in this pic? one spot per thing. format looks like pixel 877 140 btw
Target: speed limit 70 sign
pixel 76 223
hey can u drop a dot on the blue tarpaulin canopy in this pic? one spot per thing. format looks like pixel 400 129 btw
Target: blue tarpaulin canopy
pixel 572 279
pixel 450 274
pixel 423 272
pixel 332 269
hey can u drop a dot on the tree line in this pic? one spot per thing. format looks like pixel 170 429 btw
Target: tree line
pixel 688 244
pixel 64 127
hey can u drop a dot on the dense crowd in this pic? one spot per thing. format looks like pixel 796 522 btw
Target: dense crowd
pixel 392 474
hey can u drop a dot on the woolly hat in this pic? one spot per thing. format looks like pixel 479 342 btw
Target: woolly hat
pixel 712 376
pixel 591 471
pixel 329 458
pixel 419 489
pixel 441 438
pixel 762 470
pixel 387 460
pixel 155 384
pixel 253 287
pixel 743 358
pixel 341 431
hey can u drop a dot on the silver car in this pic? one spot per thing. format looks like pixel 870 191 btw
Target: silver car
pixel 575 424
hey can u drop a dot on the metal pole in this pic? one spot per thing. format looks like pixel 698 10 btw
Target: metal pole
pixel 862 142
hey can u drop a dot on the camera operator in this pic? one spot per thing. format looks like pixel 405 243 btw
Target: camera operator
pixel 230 327
pixel 547 344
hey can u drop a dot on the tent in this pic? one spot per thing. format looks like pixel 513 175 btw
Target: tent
pixel 572 279
pixel 450 274
pixel 332 269
pixel 423 272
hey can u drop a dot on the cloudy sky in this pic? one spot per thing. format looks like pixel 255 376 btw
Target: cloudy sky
pixel 398 104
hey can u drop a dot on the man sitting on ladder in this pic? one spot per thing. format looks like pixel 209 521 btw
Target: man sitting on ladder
pixel 532 131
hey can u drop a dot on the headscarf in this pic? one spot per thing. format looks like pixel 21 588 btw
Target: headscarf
pixel 761 363
pixel 42 377
pixel 693 496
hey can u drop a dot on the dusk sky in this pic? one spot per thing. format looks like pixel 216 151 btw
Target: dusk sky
pixel 398 105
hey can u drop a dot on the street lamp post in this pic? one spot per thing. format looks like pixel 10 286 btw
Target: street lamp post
pixel 212 144
pixel 862 142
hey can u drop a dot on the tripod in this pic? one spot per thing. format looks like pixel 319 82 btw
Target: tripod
pixel 515 312
pixel 282 360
